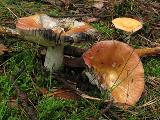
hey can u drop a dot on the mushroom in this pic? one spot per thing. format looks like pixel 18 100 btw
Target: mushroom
pixel 52 33
pixel 118 69
pixel 128 25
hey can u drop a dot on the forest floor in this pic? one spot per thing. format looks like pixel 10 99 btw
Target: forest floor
pixel 24 80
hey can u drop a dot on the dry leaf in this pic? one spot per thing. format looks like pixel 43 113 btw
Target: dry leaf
pixel 12 103
pixel 2 49
pixel 99 4
pixel 90 19
pixel 43 91
pixel 66 2
pixel 96 3
pixel 65 94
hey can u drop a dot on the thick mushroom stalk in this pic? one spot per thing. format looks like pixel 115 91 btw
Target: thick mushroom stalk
pixel 37 28
pixel 54 57
pixel 51 33
pixel 118 69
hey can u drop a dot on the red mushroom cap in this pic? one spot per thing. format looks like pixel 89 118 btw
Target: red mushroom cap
pixel 119 70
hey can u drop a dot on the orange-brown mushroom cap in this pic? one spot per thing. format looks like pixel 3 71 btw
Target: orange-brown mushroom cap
pixel 127 24
pixel 48 31
pixel 39 28
pixel 119 70
pixel 30 22
pixel 79 29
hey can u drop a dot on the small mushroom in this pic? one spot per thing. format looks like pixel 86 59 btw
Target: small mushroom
pixel 52 33
pixel 128 25
pixel 117 68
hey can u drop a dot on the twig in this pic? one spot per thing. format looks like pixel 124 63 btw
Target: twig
pixel 61 78
pixel 65 16
pixel 150 102
pixel 107 110
pixel 114 115
pixel 86 97
pixel 9 9
pixel 77 52
pixel 150 42
pixel 12 12
pixel 148 51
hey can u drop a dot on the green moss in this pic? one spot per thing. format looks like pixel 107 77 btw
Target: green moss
pixel 152 66
pixel 105 31
pixel 54 12
pixel 53 109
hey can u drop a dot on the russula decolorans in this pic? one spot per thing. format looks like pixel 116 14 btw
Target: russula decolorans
pixel 52 33
pixel 117 68
pixel 127 24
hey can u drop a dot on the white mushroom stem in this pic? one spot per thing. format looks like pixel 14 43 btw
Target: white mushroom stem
pixel 54 58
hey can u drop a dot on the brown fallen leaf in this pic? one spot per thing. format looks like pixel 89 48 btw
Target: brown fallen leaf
pixel 98 4
pixel 43 91
pixel 65 93
pixel 66 2
pixel 12 102
pixel 90 19
pixel 2 49
pixel 58 3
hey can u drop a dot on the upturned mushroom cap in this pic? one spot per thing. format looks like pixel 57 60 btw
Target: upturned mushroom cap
pixel 38 28
pixel 127 24
pixel 29 22
pixel 81 31
pixel 118 68
pixel 36 22
pixel 47 31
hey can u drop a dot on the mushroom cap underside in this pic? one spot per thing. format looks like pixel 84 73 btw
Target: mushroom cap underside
pixel 127 24
pixel 47 31
pixel 118 69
